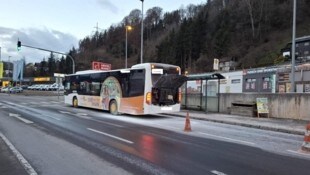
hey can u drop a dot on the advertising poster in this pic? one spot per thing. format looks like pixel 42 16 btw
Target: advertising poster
pixel 1 69
pixel 262 105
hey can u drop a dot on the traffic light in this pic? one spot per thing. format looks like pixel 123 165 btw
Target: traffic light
pixel 19 45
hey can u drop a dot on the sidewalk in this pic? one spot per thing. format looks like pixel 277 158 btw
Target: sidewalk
pixel 273 124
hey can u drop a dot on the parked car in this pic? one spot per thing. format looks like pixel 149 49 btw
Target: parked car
pixel 5 89
pixel 16 89
pixel 24 87
pixel 30 87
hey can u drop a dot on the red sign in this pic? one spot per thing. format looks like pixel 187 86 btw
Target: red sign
pixel 100 66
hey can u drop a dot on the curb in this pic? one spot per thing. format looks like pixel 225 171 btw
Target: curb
pixel 283 130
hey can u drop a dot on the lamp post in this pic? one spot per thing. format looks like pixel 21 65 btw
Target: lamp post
pixel 293 49
pixel 128 28
pixel 141 58
pixel 9 67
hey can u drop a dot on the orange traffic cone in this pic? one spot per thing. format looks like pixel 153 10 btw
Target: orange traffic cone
pixel 306 145
pixel 187 124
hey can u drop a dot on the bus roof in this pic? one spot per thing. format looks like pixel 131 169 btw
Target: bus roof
pixel 137 66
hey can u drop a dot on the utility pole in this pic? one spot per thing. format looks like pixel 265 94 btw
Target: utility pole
pixel 141 58
pixel 293 49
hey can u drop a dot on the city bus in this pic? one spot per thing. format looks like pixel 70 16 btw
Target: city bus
pixel 147 88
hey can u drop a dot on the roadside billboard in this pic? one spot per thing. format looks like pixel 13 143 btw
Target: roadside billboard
pixel 101 66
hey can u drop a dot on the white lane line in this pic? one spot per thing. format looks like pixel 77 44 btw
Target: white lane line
pixel 19 156
pixel 3 107
pixel 300 153
pixel 226 138
pixel 81 114
pixel 168 127
pixel 51 117
pixel 109 135
pixel 65 112
pixel 22 119
pixel 108 123
pixel 217 172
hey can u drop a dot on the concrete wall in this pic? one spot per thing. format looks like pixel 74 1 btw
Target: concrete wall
pixel 288 105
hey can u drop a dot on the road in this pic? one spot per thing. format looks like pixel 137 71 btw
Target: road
pixel 59 139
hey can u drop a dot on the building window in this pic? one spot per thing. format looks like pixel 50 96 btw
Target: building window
pixel 306 52
pixel 306 43
pixel 266 82
pixel 250 83
pixel 253 83
pixel 235 81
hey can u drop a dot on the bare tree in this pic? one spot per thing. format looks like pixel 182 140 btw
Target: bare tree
pixel 255 9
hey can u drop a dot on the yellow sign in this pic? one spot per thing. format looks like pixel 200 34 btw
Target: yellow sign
pixel 1 69
pixel 262 105
pixel 42 79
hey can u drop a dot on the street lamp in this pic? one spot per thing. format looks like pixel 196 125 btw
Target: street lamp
pixel 141 58
pixel 128 28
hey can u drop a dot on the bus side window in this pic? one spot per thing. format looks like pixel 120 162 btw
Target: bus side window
pixel 136 83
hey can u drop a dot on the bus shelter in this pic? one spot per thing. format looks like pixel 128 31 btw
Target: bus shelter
pixel 201 92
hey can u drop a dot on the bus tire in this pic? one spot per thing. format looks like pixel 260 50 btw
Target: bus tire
pixel 113 107
pixel 75 102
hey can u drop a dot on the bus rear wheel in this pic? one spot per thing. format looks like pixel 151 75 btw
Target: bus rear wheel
pixel 75 102
pixel 113 107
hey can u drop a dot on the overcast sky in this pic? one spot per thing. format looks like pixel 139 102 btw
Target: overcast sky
pixel 60 24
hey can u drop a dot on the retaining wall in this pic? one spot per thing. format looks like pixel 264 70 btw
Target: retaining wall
pixel 288 105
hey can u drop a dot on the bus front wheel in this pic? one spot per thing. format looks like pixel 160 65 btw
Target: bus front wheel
pixel 75 102
pixel 113 107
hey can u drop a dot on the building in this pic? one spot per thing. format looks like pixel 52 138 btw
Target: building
pixel 302 79
pixel 232 83
pixel 259 80
pixel 302 51
pixel 227 64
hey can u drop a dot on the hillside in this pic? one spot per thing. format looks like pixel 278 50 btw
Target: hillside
pixel 250 31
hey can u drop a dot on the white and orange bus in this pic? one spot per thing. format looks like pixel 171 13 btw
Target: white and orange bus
pixel 147 88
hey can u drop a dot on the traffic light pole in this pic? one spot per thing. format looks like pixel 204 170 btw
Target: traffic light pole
pixel 73 63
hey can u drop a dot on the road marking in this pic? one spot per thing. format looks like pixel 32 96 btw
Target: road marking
pixel 168 127
pixel 217 172
pixel 20 118
pixel 226 138
pixel 109 135
pixel 107 123
pixel 81 114
pixel 296 152
pixel 65 112
pixel 3 107
pixel 19 156
pixel 51 117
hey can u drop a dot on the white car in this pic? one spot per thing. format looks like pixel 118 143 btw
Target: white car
pixel 16 90
pixel 55 87
pixel 5 89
